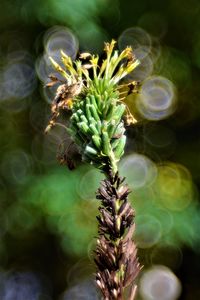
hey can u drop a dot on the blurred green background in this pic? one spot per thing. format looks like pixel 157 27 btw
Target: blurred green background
pixel 47 215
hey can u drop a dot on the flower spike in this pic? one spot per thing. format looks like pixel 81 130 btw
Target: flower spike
pixel 93 95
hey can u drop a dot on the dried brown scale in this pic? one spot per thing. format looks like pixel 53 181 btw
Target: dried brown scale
pixel 116 253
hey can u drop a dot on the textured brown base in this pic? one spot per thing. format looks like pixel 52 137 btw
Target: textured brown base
pixel 116 254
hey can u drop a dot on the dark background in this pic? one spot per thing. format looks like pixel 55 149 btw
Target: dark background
pixel 47 215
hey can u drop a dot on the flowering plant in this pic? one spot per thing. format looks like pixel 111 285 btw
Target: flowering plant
pixel 94 95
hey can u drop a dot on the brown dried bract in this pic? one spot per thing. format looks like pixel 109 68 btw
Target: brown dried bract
pixel 63 100
pixel 116 253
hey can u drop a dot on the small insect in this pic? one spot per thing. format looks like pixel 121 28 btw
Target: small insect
pixel 53 81
pixel 133 88
pixel 64 157
pixel 64 98
pixel 66 160
pixel 128 89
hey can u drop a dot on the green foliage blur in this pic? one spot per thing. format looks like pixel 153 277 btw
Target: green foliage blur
pixel 47 215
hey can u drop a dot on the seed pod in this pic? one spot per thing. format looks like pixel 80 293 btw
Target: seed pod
pixel 106 143
pixel 99 126
pixel 93 101
pixel 83 127
pixel 115 143
pixel 118 112
pixel 111 128
pixel 119 150
pixel 93 129
pixel 94 113
pixel 97 141
pixel 87 109
pixel 75 118
pixel 87 100
pixel 80 112
pixel 109 113
pixel 90 150
pixel 101 85
pixel 83 119
pixel 98 101
pixel 92 121
pixel 119 131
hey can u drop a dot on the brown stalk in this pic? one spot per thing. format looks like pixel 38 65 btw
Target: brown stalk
pixel 116 253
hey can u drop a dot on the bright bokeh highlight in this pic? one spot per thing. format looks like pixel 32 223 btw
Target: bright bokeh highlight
pixel 157 98
pixel 159 283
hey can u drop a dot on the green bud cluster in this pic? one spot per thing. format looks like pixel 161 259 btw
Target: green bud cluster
pixel 93 97
pixel 98 129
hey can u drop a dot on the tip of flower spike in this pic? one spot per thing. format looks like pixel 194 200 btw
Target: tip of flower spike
pixel 94 60
pixel 108 47
pixel 67 61
pixel 132 62
pixel 63 53
pixel 129 53
pixel 54 63
pixel 57 67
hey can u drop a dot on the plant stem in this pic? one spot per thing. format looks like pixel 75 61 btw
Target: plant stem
pixel 116 254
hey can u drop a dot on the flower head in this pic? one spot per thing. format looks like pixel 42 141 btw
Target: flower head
pixel 95 101
pixel 106 74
